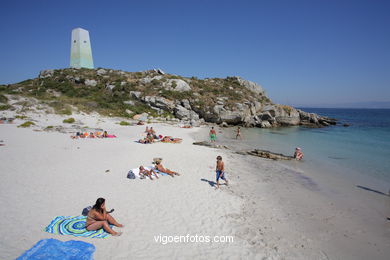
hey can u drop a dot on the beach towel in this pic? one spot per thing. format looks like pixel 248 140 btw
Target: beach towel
pixel 161 173
pixel 111 136
pixel 74 226
pixel 55 249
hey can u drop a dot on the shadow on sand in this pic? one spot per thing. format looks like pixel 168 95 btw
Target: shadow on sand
pixel 211 183
pixel 376 191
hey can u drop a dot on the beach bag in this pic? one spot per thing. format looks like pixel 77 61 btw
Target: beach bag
pixel 130 175
pixel 86 211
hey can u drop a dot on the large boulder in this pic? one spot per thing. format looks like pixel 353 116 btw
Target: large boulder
pixel 149 79
pixel 185 114
pixel 177 85
pixel 231 117
pixel 46 74
pixel 164 103
pixel 271 109
pixel 136 94
pixel 265 124
pixel 287 116
pixel 101 72
pixel 90 82
pixel 252 86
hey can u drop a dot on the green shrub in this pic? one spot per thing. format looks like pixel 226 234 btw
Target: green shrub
pixel 124 123
pixel 4 107
pixel 70 120
pixel 288 109
pixel 49 127
pixel 21 117
pixel 174 84
pixel 3 99
pixel 27 124
pixel 61 108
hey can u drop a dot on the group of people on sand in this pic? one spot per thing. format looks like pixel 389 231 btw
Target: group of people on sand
pixel 97 134
pixel 5 120
pixel 151 137
pixel 98 217
pixel 158 168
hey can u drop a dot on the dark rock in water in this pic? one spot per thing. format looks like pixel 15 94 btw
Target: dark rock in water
pixel 268 155
pixel 212 145
pixel 346 125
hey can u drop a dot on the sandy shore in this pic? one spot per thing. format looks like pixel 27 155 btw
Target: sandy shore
pixel 269 209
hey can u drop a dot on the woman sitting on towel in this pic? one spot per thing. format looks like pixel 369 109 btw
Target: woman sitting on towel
pixel 161 168
pixel 99 218
pixel 144 172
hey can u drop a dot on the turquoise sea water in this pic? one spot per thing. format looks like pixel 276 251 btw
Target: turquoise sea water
pixel 363 147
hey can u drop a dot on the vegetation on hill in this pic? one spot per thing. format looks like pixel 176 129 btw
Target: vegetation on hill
pixel 65 89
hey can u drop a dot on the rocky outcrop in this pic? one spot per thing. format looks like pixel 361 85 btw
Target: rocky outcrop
pixel 267 155
pixel 252 86
pixel 211 145
pixel 314 120
pixel 229 101
pixel 46 74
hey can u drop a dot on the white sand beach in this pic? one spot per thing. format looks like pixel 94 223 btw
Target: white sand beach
pixel 269 210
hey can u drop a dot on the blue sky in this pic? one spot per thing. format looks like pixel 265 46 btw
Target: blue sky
pixel 301 52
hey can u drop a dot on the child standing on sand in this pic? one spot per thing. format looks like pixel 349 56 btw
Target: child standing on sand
pixel 213 135
pixel 220 171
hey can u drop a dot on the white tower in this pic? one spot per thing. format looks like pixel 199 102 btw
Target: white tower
pixel 80 52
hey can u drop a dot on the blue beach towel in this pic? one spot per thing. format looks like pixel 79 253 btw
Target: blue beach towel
pixel 74 226
pixel 55 249
pixel 161 173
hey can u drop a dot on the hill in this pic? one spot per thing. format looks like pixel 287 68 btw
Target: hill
pixel 155 94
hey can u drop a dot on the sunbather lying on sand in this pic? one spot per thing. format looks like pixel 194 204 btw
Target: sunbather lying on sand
pixel 169 139
pixel 144 172
pixel 161 168
pixel 99 218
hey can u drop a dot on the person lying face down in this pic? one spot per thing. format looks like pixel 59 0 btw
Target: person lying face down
pixel 143 172
pixel 98 218
pixel 161 168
